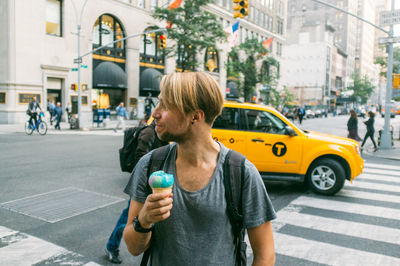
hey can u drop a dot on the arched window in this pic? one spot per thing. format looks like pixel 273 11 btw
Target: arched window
pixel 185 58
pixel 211 60
pixel 151 50
pixel 106 30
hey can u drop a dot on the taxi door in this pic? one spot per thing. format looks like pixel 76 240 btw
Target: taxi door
pixel 228 129
pixel 267 145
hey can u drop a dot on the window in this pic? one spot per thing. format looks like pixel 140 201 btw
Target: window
pixel 262 121
pixel 211 60
pixel 229 119
pixel 54 17
pixel 140 3
pixel 279 26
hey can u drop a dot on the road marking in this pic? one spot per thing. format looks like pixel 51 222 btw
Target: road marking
pixel 392 188
pixel 368 195
pixel 23 250
pixel 380 166
pixel 381 172
pixel 329 254
pixel 347 207
pixel 378 177
pixel 348 228
pixel 4 231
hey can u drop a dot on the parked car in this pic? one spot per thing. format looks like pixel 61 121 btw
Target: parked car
pixel 282 151
pixel 309 113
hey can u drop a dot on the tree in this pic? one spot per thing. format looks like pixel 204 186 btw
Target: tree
pixel 362 88
pixel 193 30
pixel 382 61
pixel 246 67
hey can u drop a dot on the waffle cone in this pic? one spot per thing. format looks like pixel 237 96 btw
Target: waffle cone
pixel 161 190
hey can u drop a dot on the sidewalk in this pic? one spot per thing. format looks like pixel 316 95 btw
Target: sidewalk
pixel 393 154
pixel 92 129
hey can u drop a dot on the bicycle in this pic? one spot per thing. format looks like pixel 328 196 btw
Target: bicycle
pixel 41 126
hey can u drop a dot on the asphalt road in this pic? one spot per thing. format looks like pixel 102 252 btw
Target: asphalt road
pixel 36 165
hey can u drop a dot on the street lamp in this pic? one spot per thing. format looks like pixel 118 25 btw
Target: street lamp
pixel 78 60
pixel 386 139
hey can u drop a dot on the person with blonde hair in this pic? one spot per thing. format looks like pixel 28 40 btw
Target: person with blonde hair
pixel 191 225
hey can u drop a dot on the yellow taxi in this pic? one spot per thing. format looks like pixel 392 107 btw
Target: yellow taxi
pixel 282 151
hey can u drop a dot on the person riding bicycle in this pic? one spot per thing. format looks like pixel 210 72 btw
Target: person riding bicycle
pixel 32 110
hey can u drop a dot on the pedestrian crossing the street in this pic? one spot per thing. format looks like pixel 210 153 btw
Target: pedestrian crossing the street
pixel 360 225
pixel 17 248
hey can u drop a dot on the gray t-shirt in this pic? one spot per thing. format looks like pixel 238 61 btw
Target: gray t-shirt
pixel 198 232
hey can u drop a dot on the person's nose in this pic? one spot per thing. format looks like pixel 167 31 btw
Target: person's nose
pixel 156 112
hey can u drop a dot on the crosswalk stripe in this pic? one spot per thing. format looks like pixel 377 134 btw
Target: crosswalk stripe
pixel 368 195
pixel 4 231
pixel 348 228
pixel 329 254
pixel 384 167
pixel 382 172
pixel 378 177
pixel 347 207
pixel 21 249
pixel 383 187
pixel 28 251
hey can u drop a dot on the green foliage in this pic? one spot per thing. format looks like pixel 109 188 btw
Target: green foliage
pixel 193 29
pixel 382 61
pixel 245 67
pixel 362 87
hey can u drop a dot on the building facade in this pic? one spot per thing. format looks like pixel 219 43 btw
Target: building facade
pixel 39 45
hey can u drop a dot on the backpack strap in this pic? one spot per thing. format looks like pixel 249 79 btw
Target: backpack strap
pixel 233 182
pixel 156 163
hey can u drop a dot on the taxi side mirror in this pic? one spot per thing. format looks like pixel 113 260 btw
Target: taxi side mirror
pixel 289 131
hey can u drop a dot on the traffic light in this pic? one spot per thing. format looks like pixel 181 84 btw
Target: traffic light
pixel 163 41
pixel 241 7
pixel 84 87
pixel 396 81
pixel 74 86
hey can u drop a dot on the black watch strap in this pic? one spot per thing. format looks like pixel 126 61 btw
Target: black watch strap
pixel 138 228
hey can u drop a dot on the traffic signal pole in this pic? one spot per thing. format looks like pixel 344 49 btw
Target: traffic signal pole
pixel 386 138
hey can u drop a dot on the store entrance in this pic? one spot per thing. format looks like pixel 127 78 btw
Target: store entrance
pixel 53 96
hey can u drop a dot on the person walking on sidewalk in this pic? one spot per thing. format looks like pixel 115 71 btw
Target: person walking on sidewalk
pixel 58 112
pixel 300 114
pixel 147 141
pixel 370 130
pixel 121 115
pixel 352 126
pixel 148 105
pixel 51 109
pixel 196 229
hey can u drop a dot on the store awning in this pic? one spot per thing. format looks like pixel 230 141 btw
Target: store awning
pixel 150 79
pixel 109 75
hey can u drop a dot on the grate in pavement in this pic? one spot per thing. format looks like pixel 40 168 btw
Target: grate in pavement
pixel 58 205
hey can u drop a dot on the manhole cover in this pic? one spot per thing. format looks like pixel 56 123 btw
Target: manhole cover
pixel 58 205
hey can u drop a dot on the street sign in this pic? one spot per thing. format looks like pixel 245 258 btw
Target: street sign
pixel 388 18
pixel 389 40
pixel 77 60
pixel 74 69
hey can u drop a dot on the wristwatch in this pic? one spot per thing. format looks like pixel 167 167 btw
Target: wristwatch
pixel 138 228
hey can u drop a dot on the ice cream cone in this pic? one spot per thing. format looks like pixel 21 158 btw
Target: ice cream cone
pixel 161 190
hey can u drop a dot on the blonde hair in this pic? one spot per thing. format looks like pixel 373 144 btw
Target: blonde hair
pixel 191 91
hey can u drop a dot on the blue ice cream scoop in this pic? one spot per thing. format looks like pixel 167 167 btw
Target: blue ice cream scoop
pixel 160 179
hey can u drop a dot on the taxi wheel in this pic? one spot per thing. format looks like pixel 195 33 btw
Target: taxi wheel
pixel 326 176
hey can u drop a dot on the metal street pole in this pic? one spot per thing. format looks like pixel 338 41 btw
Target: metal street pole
pixel 79 59
pixel 386 140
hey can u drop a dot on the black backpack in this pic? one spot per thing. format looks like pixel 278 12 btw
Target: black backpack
pixel 233 182
pixel 127 152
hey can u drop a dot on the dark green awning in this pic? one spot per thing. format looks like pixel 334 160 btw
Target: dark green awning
pixel 150 79
pixel 109 75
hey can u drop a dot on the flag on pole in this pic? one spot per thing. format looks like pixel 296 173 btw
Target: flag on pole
pixel 233 37
pixel 267 43
pixel 175 4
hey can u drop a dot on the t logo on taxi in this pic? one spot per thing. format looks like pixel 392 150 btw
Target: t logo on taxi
pixel 279 149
